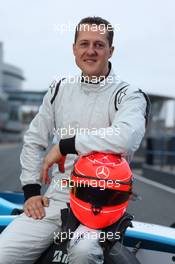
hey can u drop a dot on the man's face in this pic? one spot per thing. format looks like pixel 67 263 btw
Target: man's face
pixel 92 51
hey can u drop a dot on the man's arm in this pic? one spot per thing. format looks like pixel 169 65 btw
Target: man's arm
pixel 123 136
pixel 32 158
pixel 36 141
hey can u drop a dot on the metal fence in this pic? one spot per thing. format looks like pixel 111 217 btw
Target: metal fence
pixel 161 152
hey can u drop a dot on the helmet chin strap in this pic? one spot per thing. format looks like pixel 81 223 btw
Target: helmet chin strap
pixel 96 209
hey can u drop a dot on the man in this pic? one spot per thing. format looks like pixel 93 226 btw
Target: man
pixel 106 115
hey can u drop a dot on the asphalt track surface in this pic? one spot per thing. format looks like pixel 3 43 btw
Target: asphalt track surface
pixel 152 203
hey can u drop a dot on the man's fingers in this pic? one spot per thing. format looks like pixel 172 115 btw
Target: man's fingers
pixel 52 157
pixel 34 207
pixel 61 164
pixel 36 213
pixel 45 178
pixel 32 212
pixel 40 210
pixel 39 213
pixel 27 212
pixel 45 201
pixel 44 174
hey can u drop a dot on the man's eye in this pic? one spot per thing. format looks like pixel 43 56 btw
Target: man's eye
pixel 83 44
pixel 99 45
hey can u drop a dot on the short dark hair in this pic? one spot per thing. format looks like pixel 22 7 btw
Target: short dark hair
pixel 96 21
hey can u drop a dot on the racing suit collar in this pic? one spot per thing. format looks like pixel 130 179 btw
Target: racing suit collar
pixel 96 81
pixel 101 85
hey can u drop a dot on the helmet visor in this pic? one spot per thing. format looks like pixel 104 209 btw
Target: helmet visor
pixel 100 197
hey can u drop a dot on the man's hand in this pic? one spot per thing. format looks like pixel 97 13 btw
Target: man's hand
pixel 34 206
pixel 54 156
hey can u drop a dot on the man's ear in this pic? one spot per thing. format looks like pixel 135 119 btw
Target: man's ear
pixel 74 49
pixel 111 51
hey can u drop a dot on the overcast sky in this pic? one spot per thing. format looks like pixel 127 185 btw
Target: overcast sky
pixel 144 44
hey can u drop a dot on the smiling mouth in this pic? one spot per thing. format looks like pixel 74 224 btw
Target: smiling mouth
pixel 89 60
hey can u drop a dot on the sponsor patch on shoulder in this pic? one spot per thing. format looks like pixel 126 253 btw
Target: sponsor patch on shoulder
pixel 53 85
pixel 121 95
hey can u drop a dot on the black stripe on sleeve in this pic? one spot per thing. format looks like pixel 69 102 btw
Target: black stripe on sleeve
pixel 67 146
pixel 31 190
pixel 56 90
pixel 148 107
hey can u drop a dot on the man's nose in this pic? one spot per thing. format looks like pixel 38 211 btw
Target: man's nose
pixel 91 50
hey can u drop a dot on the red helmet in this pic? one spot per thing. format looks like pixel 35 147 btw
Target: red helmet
pixel 100 188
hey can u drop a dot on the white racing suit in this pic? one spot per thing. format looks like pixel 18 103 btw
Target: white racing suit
pixel 108 116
